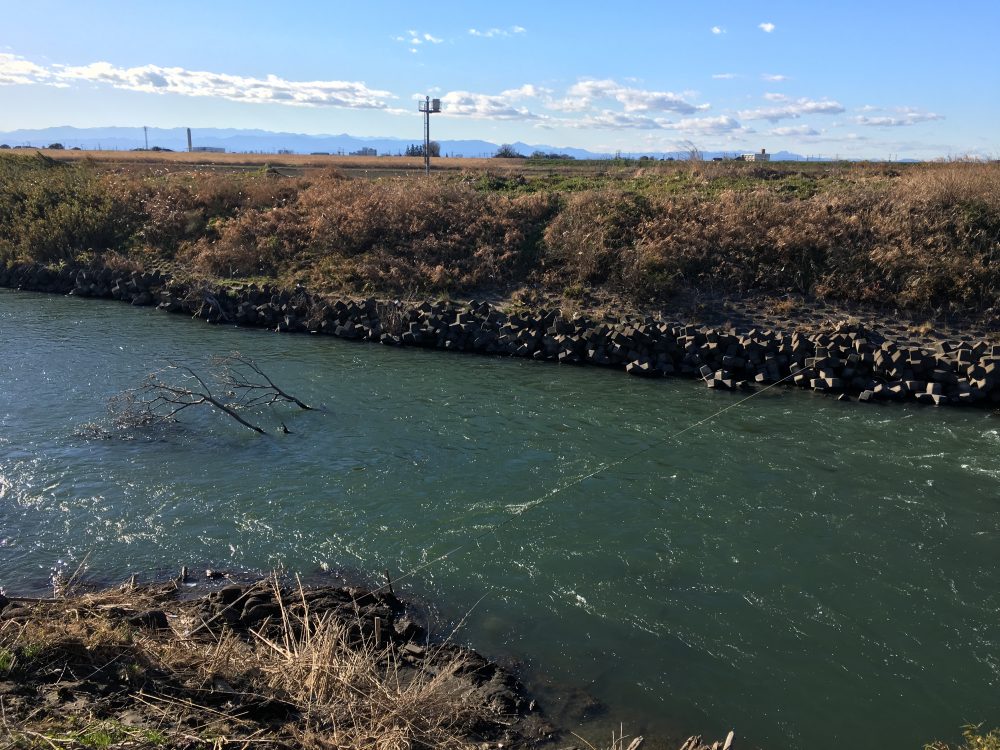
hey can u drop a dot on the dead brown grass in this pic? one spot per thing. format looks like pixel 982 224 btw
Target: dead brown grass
pixel 333 689
pixel 312 161
pixel 920 237
pixel 930 240
pixel 391 235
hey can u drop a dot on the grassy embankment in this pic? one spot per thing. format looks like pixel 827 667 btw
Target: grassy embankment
pixel 140 668
pixel 920 237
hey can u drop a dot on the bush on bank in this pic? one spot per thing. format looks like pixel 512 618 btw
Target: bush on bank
pixel 925 237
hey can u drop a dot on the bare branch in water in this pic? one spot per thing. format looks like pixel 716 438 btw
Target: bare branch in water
pixel 166 393
pixel 242 376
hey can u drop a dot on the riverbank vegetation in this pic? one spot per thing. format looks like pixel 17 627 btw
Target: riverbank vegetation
pixel 922 237
pixel 244 666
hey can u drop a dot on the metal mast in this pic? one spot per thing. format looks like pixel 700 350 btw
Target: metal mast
pixel 428 106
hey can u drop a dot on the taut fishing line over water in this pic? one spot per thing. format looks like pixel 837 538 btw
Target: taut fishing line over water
pixel 546 496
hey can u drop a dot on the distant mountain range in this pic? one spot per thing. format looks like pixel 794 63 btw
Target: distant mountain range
pixel 263 141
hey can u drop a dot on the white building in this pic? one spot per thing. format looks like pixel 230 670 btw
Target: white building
pixel 762 156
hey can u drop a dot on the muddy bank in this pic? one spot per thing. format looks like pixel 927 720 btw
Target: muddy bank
pixel 847 358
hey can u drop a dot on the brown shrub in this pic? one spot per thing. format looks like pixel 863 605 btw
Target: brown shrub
pixel 925 237
pixel 187 207
pixel 255 242
pixel 929 241
pixel 403 235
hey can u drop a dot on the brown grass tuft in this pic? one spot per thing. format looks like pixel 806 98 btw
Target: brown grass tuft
pixel 318 681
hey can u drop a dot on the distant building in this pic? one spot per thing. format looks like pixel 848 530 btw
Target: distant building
pixel 365 151
pixel 209 149
pixel 762 156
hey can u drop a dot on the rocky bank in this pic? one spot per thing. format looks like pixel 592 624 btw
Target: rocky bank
pixel 846 358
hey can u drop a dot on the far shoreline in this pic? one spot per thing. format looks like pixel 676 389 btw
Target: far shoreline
pixel 735 344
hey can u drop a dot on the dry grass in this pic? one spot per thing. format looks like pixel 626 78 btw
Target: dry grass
pixel 974 739
pixel 181 161
pixel 200 684
pixel 921 237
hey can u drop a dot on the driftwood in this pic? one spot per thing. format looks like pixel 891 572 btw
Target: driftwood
pixel 236 386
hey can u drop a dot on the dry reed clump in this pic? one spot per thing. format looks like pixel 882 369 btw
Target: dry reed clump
pixel 181 208
pixel 397 235
pixel 928 242
pixel 391 235
pixel 737 241
pixel 355 697
pixel 82 666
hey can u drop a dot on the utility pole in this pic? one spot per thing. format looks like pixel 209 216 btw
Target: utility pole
pixel 428 106
pixel 145 135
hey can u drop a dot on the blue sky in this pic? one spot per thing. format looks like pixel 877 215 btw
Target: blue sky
pixel 872 79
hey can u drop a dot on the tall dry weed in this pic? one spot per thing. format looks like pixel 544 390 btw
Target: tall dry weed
pixel 924 237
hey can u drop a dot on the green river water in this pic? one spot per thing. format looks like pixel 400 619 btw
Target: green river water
pixel 810 573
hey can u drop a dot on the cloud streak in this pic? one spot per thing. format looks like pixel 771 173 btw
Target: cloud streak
pixel 154 79
pixel 793 109
pixel 495 32
pixel 906 118
pixel 795 130
pixel 583 94
pixel 487 106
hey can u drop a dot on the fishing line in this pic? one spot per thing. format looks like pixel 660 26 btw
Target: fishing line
pixel 546 496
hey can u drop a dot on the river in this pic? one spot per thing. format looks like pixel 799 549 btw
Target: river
pixel 808 572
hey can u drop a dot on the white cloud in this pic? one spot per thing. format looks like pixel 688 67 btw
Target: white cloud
pixel 495 32
pixel 154 79
pixel 17 70
pixel 793 109
pixel 766 27
pixel 772 97
pixel 718 30
pixel 484 106
pixel 612 120
pixel 706 125
pixel 799 130
pixel 724 76
pixel 415 38
pixel 528 91
pixel 581 95
pixel 846 138
pixel 776 77
pixel 907 116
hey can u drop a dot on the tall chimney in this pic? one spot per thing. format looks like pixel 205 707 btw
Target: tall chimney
pixel 189 139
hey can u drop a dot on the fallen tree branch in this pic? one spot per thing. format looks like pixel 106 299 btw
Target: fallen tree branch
pixel 164 394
